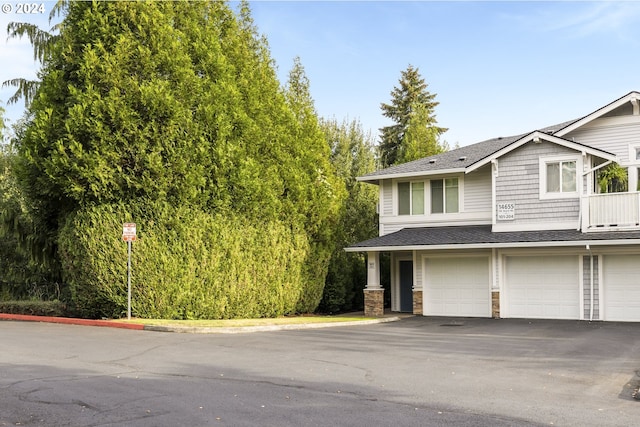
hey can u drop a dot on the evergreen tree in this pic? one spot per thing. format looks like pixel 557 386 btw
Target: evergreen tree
pixel 168 110
pixel 411 101
pixel 352 154
pixel 310 138
pixel 420 139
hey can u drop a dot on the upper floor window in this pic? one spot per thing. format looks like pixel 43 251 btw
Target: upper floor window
pixel 444 195
pixel 559 177
pixel 411 198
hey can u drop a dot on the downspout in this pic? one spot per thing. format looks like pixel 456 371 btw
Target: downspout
pixel 590 284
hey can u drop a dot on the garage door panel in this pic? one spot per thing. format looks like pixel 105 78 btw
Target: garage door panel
pixel 621 287
pixel 458 286
pixel 545 287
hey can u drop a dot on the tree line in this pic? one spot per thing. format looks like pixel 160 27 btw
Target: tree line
pixel 170 115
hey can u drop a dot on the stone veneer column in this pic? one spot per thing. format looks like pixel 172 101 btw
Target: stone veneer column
pixel 495 304
pixel 373 293
pixel 374 302
pixel 417 302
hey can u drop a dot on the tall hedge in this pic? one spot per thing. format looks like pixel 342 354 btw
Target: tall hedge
pixel 186 264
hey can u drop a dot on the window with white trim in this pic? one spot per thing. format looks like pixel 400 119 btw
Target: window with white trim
pixel 444 195
pixel 559 177
pixel 411 198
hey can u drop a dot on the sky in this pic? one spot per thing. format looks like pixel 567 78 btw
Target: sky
pixel 497 68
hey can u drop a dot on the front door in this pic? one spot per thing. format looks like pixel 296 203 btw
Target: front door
pixel 406 286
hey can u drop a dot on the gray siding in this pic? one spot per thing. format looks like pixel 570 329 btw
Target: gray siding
pixel 614 139
pixel 586 280
pixel 387 199
pixel 477 190
pixel 519 182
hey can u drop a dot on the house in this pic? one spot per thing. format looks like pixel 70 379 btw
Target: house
pixel 540 225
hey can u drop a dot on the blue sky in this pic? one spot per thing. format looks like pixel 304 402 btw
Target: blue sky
pixel 498 68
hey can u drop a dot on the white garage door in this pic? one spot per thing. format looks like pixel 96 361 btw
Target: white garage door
pixel 542 287
pixel 621 287
pixel 457 287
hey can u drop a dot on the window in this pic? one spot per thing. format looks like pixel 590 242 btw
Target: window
pixel 559 177
pixel 411 198
pixel 444 195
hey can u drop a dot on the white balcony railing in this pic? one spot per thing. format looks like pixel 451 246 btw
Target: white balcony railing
pixel 611 211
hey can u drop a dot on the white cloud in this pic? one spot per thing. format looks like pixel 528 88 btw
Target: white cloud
pixel 607 17
pixel 582 19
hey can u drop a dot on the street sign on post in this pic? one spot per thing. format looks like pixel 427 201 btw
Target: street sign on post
pixel 129 231
pixel 129 235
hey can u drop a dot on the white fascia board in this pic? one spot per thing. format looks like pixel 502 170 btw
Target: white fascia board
pixel 599 113
pixel 625 242
pixel 376 178
pixel 544 136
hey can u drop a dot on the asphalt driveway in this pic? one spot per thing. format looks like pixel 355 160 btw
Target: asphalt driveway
pixel 414 372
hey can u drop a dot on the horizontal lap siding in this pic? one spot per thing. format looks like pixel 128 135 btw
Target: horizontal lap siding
pixel 475 205
pixel 477 191
pixel 387 199
pixel 518 181
pixel 614 139
pixel 586 279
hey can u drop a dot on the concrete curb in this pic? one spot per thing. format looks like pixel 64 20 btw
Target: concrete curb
pixel 71 321
pixel 247 329
pixel 188 329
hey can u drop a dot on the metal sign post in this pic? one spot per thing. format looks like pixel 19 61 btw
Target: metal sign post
pixel 129 235
pixel 129 281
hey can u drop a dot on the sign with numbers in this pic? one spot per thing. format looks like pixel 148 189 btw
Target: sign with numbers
pixel 506 211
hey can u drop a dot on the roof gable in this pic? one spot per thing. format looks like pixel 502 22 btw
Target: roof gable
pixel 538 136
pixel 632 98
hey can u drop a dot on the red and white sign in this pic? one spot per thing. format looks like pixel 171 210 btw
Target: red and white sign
pixel 129 231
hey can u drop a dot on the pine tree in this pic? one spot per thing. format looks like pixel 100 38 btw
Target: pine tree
pixel 411 101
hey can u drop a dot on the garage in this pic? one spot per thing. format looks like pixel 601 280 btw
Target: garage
pixel 542 287
pixel 621 287
pixel 457 286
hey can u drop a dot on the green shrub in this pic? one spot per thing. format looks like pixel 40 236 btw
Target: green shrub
pixel 36 308
pixel 186 264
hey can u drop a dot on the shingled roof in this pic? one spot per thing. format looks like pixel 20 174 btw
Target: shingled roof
pixel 477 236
pixel 457 159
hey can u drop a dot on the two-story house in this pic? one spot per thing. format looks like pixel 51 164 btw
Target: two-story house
pixel 526 226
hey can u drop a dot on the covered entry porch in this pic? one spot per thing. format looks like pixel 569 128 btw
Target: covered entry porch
pixel 424 283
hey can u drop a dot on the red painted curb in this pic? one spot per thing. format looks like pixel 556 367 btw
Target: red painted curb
pixel 71 321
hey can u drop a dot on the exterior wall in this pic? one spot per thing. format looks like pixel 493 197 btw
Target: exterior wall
pixel 417 302
pixel 586 280
pixel 477 191
pixel 386 200
pixel 518 182
pixel 495 304
pixel 374 302
pixel 475 204
pixel 612 134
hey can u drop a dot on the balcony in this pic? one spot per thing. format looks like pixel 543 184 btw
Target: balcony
pixel 612 211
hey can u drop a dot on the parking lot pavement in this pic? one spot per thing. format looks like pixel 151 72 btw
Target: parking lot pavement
pixel 416 371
